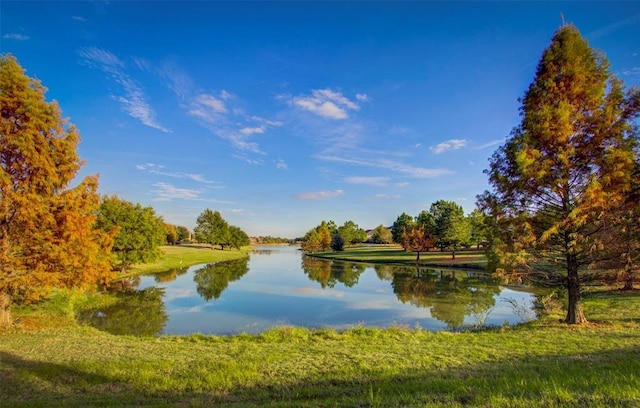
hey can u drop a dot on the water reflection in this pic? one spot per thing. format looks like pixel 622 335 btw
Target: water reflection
pixel 281 287
pixel 328 273
pixel 212 279
pixel 450 295
pixel 136 312
pixel 170 275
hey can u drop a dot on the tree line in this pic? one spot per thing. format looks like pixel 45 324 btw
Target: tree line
pixel 53 235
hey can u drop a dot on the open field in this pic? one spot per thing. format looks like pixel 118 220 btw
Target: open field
pixel 180 256
pixel 472 259
pixel 48 360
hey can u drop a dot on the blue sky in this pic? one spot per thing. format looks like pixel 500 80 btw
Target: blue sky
pixel 282 114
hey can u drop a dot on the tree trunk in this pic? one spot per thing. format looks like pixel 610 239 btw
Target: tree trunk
pixel 418 256
pixel 575 314
pixel 5 310
pixel 628 279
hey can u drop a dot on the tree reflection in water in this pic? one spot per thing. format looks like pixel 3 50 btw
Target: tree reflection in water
pixel 136 313
pixel 213 279
pixel 450 295
pixel 328 273
pixel 170 275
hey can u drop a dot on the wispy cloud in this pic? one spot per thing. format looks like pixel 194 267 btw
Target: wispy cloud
pixel 399 167
pixel 280 164
pixel 632 71
pixel 133 101
pixel 452 144
pixel 490 144
pixel 168 192
pixel 214 111
pixel 370 181
pixel 79 18
pixel 608 29
pixel 159 170
pixel 319 195
pixel 15 36
pixel 402 184
pixel 326 103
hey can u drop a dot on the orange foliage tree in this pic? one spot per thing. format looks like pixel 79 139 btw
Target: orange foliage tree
pixel 47 234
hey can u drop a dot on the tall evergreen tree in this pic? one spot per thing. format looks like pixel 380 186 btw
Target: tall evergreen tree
pixel 567 164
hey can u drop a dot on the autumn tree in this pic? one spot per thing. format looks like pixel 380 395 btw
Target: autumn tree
pixel 212 229
pixel 47 234
pixel 620 254
pixel 417 238
pixel 172 233
pixel 566 165
pixel 319 237
pixel 139 231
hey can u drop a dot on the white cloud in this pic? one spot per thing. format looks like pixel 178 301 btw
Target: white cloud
pixel 632 71
pixel 79 18
pixel 211 102
pixel 251 130
pixel 281 165
pixel 452 144
pixel 168 192
pixel 319 195
pixel 362 97
pixel 133 101
pixel 16 36
pixel 403 184
pixel 326 103
pixel 370 181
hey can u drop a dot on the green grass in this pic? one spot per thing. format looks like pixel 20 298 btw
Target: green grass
pixel 543 363
pixel 394 254
pixel 180 256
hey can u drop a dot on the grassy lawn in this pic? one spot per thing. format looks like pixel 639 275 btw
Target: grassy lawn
pixel 180 256
pixel 395 254
pixel 49 360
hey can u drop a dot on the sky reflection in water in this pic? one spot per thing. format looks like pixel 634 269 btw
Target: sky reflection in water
pixel 277 287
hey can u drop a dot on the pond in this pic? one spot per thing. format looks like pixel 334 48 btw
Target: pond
pixel 278 286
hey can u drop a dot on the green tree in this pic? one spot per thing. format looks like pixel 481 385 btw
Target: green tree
pixel 401 223
pixel 237 237
pixel 139 232
pixel 211 229
pixel 312 241
pixel 451 228
pixel 382 235
pixel 566 164
pixel 47 233
pixel 478 233
pixel 337 242
pixel 351 233
pixel 183 233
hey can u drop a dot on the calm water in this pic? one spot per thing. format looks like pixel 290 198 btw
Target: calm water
pixel 278 286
